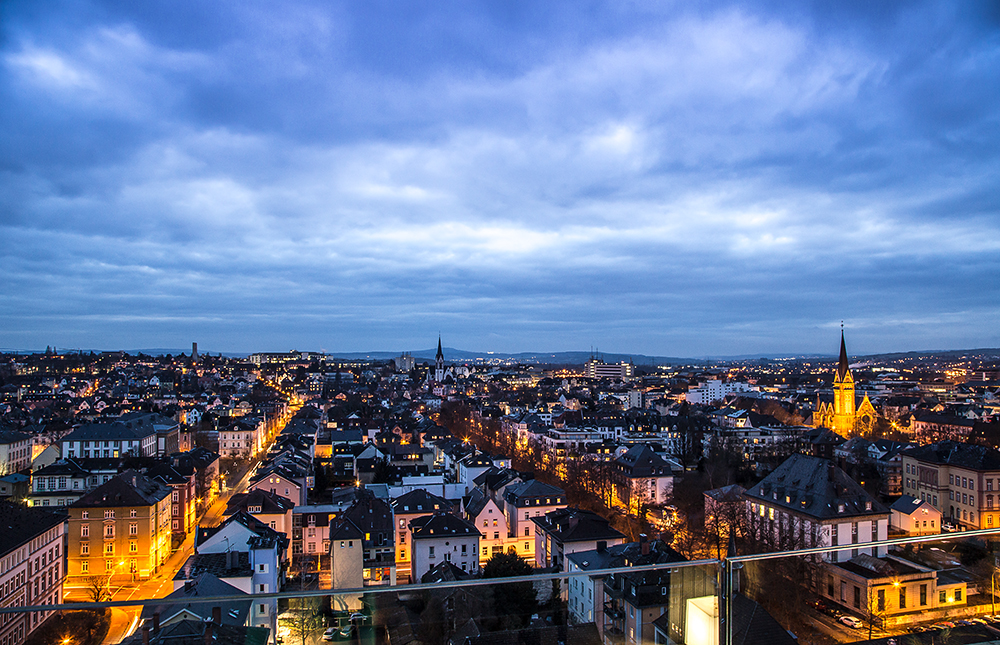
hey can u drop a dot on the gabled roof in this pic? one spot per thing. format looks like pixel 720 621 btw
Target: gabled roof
pixel 269 503
pixel 954 453
pixel 576 525
pixel 641 461
pixel 815 487
pixel 441 525
pixel 19 524
pixel 532 488
pixel 130 488
pixel 203 587
pixel 419 501
pixel 249 522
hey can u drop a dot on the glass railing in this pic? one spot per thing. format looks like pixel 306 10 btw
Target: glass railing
pixel 892 590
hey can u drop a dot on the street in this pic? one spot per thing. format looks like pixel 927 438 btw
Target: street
pixel 125 620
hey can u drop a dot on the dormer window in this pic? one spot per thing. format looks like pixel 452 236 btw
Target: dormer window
pixel 868 506
pixel 840 508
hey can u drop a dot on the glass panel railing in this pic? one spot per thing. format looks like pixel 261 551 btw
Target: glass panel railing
pixel 666 602
pixel 941 585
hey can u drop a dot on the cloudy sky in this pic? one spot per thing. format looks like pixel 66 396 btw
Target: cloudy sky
pixel 654 177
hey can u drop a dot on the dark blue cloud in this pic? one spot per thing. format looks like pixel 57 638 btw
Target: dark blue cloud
pixel 686 179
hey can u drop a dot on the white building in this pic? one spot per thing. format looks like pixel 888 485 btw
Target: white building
pixel 716 390
pixel 443 537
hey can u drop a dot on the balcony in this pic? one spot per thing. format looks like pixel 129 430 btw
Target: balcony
pixel 787 590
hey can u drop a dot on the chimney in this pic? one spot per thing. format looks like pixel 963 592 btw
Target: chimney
pixel 145 634
pixel 829 471
pixel 208 633
pixel 156 623
pixel 602 546
pixel 217 615
pixel 644 543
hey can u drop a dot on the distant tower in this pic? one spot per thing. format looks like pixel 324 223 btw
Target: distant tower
pixel 194 351
pixel 845 416
pixel 844 405
pixel 439 363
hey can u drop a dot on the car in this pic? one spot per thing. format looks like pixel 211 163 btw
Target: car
pixel 947 526
pixel 851 621
pixel 330 634
pixel 964 623
pixel 978 621
pixel 357 617
pixel 346 632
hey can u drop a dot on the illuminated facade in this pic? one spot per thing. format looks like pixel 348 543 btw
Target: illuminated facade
pixel 844 415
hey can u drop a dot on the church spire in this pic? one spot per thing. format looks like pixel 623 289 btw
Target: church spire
pixel 842 367
pixel 440 354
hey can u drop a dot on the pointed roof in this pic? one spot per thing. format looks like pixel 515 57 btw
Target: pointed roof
pixel 440 354
pixel 842 366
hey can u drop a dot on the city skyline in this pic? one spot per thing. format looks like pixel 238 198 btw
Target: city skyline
pixel 680 180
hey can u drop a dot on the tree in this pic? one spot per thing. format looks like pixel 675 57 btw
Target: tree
pixel 98 588
pixel 384 472
pixel 513 603
pixel 304 616
pixel 875 610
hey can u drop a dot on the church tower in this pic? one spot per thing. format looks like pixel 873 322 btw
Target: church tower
pixel 844 405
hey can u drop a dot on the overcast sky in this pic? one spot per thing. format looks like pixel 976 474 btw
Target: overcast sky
pixel 655 177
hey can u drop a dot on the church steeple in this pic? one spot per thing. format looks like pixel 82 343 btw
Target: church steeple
pixel 440 355
pixel 842 367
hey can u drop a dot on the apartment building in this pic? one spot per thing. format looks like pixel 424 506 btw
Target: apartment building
pixel 960 480
pixel 121 529
pixel 32 567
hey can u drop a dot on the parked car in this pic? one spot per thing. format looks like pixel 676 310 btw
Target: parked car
pixel 978 621
pixel 964 623
pixel 851 621
pixel 330 634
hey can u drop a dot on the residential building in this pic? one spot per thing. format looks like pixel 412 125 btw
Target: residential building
pixel 58 485
pixel 370 518
pixel 182 498
pixel 406 508
pixel 523 501
pixel 443 537
pixel 32 567
pixel 109 441
pixel 245 553
pixel 311 536
pixel 270 508
pixel 810 502
pixel 15 451
pixel 121 529
pixel 642 477
pixel 915 516
pixel 568 530
pixel 961 480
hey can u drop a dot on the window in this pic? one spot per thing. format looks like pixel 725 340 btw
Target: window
pixel 262 587
pixel 84 567
pixel 262 609
pixel 133 546
pixel 85 515
pixel 84 548
pixel 430 551
pixel 526 531
pixel 109 530
pixel 951 479
pixel 109 514
pixel 958 595
pixel 881 600
pixel 85 530
pixel 464 547
pixel 923 595
pixel 109 548
pixel 902 597
pixel 942 597
pixel 857 597
pixel 133 528
pixel 526 547
pixel 484 552
pixel 496 535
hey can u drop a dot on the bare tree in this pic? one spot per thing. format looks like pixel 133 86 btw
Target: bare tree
pixel 305 617
pixel 98 588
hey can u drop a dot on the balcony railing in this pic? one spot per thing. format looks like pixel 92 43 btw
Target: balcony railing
pixel 701 602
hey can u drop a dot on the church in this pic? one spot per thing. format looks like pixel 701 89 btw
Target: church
pixel 844 415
